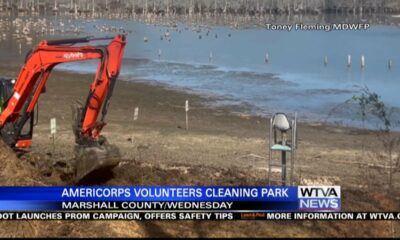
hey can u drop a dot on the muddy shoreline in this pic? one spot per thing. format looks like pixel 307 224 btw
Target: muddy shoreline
pixel 219 136
pixel 220 148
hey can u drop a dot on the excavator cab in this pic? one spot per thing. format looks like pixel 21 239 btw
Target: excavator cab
pixel 19 98
pixel 25 136
pixel 6 90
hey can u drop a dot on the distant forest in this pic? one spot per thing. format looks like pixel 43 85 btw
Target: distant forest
pixel 208 7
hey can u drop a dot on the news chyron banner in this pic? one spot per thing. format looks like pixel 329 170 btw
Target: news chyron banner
pixel 174 203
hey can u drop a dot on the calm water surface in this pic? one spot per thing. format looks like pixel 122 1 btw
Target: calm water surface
pixel 230 64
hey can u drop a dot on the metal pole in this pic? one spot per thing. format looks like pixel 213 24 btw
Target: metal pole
pixel 187 114
pixel 283 168
pixel 270 152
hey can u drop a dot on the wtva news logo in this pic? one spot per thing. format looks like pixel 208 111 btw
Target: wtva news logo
pixel 319 198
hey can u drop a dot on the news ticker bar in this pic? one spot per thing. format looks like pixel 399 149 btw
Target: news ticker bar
pixel 148 216
pixel 252 198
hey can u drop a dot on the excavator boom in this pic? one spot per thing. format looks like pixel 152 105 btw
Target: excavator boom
pixel 18 100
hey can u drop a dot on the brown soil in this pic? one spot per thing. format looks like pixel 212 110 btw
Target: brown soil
pixel 221 148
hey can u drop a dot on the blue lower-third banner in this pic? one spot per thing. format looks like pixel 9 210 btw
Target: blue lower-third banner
pixel 172 198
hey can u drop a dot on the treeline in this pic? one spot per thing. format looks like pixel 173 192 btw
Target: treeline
pixel 210 7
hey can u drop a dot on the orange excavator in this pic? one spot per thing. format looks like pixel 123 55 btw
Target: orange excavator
pixel 19 97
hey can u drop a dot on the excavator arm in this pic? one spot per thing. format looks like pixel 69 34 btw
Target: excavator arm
pixel 18 105
pixel 36 70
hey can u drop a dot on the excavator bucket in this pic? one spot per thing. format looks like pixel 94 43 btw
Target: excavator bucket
pixel 92 161
pixel 92 157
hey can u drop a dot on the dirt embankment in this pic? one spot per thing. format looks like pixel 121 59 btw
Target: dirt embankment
pixel 21 172
pixel 14 172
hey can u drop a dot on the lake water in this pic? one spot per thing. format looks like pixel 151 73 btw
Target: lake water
pixel 230 64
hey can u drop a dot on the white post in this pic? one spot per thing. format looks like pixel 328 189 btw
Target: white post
pixel 53 131
pixel 348 60
pixel 135 118
pixel 390 64
pixel 159 54
pixel 266 58
pixel 326 61
pixel 136 114
pixel 187 114
pixel 210 58
pixel 362 61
